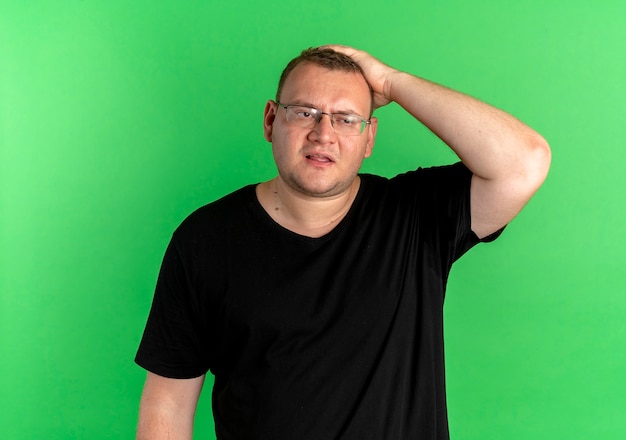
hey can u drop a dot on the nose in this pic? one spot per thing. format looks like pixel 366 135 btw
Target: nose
pixel 324 127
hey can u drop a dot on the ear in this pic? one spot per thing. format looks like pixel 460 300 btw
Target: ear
pixel 269 115
pixel 371 136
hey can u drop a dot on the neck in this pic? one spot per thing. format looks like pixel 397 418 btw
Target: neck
pixel 303 214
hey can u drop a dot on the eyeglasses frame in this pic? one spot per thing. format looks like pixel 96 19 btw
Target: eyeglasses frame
pixel 364 122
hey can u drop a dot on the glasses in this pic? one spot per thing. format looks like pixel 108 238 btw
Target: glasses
pixel 345 124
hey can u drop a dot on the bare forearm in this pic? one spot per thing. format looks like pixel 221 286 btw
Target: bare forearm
pixel 508 159
pixel 492 143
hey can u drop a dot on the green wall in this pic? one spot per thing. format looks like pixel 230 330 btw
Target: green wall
pixel 119 118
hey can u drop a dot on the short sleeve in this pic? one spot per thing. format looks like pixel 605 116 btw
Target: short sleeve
pixel 442 198
pixel 176 341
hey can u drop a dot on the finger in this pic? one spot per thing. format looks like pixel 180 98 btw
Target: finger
pixel 347 50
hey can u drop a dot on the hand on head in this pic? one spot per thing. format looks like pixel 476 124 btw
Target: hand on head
pixel 377 73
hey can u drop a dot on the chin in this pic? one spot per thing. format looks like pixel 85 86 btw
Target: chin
pixel 323 189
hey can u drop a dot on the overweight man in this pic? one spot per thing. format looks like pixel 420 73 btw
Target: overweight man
pixel 316 298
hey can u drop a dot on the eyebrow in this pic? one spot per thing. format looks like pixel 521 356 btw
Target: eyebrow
pixel 339 112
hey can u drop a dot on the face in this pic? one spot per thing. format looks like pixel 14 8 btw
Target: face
pixel 318 162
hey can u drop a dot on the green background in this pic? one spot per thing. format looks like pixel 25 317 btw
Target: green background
pixel 118 118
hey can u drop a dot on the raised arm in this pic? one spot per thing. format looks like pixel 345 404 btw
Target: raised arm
pixel 508 159
pixel 168 407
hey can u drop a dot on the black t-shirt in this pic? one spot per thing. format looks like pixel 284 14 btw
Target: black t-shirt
pixel 338 337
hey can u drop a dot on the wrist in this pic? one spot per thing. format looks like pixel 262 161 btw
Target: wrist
pixel 393 84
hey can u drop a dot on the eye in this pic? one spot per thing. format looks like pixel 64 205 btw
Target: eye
pixel 347 120
pixel 304 113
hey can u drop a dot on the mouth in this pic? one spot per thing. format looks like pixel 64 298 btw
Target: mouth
pixel 318 158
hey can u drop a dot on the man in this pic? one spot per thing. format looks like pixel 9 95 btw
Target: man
pixel 316 298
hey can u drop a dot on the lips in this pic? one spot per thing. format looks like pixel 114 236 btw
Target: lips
pixel 320 158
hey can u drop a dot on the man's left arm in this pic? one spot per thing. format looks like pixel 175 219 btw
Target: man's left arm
pixel 508 159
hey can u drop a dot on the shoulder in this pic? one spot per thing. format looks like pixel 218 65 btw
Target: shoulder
pixel 213 218
pixel 421 181
pixel 456 173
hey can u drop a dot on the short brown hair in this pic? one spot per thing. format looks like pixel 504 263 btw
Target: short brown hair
pixel 324 57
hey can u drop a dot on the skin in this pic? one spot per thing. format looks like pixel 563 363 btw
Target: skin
pixel 168 407
pixel 317 168
pixel 508 159
pixel 317 176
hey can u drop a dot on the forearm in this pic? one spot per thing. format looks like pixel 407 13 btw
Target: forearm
pixel 491 143
pixel 508 159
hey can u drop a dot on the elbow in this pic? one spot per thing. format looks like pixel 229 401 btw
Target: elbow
pixel 531 166
pixel 539 160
